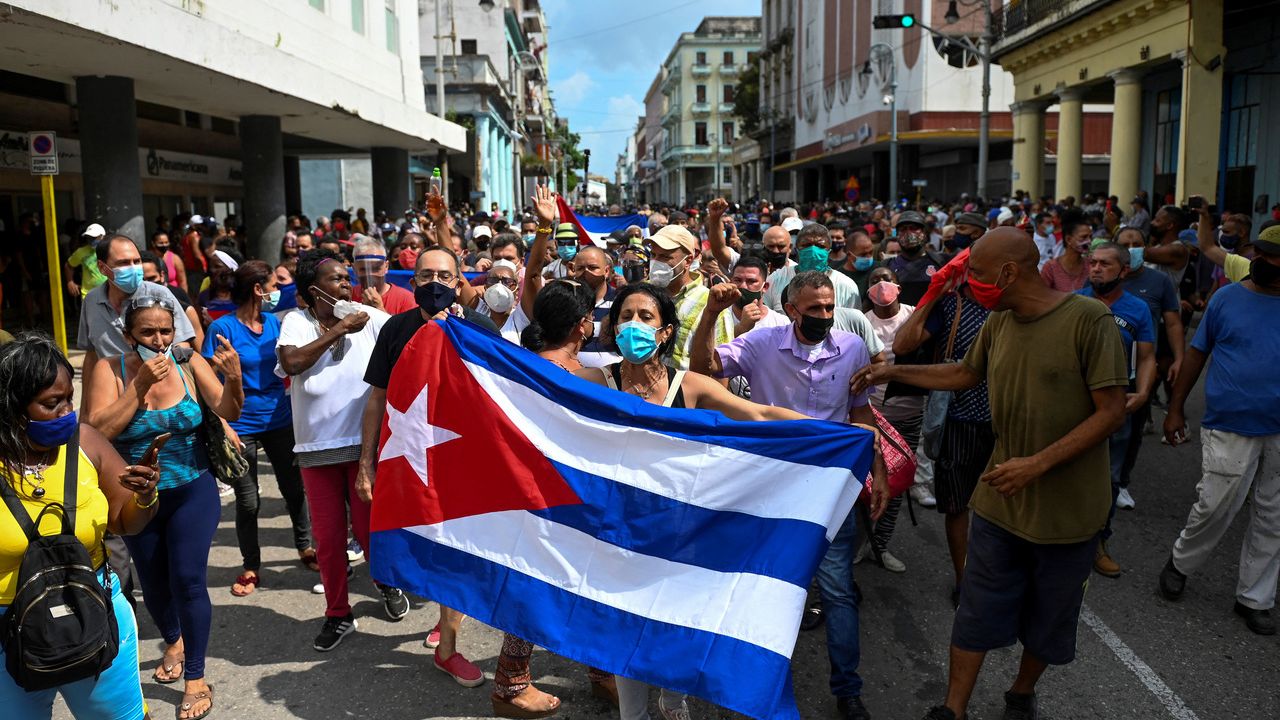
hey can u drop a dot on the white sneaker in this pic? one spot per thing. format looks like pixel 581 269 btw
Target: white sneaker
pixel 679 712
pixel 923 496
pixel 318 588
pixel 891 563
pixel 1124 500
pixel 225 490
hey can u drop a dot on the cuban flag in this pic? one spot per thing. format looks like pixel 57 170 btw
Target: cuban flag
pixel 594 229
pixel 667 545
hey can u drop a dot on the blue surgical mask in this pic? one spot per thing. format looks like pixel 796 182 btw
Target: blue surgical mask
pixel 528 239
pixel 1048 229
pixel 637 341
pixel 52 433
pixel 147 353
pixel 1135 258
pixel 567 252
pixel 128 278
pixel 863 264
pixel 270 300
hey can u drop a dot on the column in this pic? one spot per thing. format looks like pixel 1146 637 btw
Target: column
pixel 389 167
pixel 109 154
pixel 1201 111
pixel 1028 147
pixel 293 185
pixel 1070 143
pixel 1126 134
pixel 262 154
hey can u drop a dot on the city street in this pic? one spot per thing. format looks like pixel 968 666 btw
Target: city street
pixel 1139 656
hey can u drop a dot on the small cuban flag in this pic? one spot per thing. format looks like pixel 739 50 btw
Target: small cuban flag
pixel 646 541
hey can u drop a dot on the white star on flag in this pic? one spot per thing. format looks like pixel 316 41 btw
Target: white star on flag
pixel 411 435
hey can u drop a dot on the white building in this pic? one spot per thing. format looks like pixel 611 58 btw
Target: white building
pixel 232 94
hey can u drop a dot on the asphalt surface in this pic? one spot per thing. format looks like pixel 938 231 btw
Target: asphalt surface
pixel 1139 656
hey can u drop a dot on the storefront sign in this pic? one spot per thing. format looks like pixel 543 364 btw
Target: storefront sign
pixel 15 154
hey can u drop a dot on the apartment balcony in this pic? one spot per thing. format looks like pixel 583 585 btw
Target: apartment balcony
pixel 1018 23
pixel 672 114
pixel 702 70
pixel 671 80
pixel 700 108
pixel 532 18
pixel 729 71
pixel 725 108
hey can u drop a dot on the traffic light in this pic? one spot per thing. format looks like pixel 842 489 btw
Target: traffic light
pixel 893 22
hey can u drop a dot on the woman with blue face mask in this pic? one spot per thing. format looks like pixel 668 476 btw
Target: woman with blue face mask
pixel 156 389
pixel 266 421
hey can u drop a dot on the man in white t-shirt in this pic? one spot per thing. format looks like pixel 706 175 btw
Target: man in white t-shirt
pixel 750 312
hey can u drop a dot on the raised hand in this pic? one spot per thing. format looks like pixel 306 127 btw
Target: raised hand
pixel 544 206
pixel 722 296
pixel 716 209
pixel 226 360
pixel 151 372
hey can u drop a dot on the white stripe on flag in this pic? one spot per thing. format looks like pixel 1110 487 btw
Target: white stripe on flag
pixel 755 609
pixel 698 473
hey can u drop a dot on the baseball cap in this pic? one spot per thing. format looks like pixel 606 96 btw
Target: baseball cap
pixel 1004 216
pixel 566 231
pixel 1189 237
pixel 196 220
pixel 95 231
pixel 911 216
pixel 481 231
pixel 971 218
pixel 675 237
pixel 792 224
pixel 1268 242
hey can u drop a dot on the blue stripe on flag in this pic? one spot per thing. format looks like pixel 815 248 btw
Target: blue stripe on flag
pixel 696 662
pixel 807 442
pixel 658 526
pixel 607 224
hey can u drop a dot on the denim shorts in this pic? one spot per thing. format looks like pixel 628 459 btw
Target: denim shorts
pixel 1016 590
pixel 116 694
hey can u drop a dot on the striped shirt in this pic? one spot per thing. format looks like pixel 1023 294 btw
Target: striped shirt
pixel 690 302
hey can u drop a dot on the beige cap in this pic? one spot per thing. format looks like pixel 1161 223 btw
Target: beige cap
pixel 675 237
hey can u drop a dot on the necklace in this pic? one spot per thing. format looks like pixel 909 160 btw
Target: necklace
pixel 646 392
pixel 36 475
pixel 569 357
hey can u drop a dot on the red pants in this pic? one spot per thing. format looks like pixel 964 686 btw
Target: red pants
pixel 330 490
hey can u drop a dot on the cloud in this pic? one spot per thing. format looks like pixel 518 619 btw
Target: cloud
pixel 624 109
pixel 573 89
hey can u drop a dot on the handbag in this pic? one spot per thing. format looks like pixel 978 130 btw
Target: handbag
pixel 899 460
pixel 939 402
pixel 225 460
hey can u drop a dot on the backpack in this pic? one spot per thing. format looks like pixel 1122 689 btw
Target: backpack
pixel 61 626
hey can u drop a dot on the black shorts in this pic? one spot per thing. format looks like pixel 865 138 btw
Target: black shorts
pixel 966 448
pixel 1016 590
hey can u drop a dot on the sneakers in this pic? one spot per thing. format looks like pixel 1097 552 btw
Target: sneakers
pixel 432 640
pixel 940 712
pixel 318 588
pixel 354 553
pixel 679 712
pixel 1259 621
pixel 1103 564
pixel 891 563
pixel 851 708
pixel 335 628
pixel 813 615
pixel 394 602
pixel 1172 582
pixel 1124 500
pixel 225 490
pixel 462 670
pixel 1019 707
pixel 923 496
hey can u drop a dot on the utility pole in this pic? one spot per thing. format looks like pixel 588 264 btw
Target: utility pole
pixel 444 156
pixel 891 100
pixel 984 120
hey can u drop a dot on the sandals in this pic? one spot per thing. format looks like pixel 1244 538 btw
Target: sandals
pixel 181 664
pixel 308 559
pixel 190 699
pixel 506 709
pixel 248 581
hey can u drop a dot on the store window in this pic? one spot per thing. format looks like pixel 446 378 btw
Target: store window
pixel 1168 124
pixel 1243 120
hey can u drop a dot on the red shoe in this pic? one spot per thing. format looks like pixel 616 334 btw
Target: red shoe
pixel 432 640
pixel 461 669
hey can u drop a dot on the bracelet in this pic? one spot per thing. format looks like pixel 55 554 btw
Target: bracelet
pixel 155 498
pixel 544 230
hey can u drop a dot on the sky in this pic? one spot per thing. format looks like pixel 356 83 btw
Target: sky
pixel 603 54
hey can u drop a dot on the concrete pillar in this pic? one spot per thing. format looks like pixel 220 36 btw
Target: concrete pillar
pixel 109 154
pixel 262 152
pixel 1028 147
pixel 292 184
pixel 1201 111
pixel 390 169
pixel 1126 134
pixel 1070 143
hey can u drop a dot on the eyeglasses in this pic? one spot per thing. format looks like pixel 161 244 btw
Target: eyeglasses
pixel 495 279
pixel 426 276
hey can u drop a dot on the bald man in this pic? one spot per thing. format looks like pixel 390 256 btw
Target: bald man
pixel 592 268
pixel 1056 371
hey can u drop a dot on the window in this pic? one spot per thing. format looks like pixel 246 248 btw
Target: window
pixel 393 27
pixel 317 4
pixel 468 47
pixel 357 16
pixel 701 58
pixel 726 133
pixel 700 94
pixel 753 58
pixel 1243 120
pixel 728 176
pixel 1168 125
pixel 728 57
pixel 700 133
pixel 728 93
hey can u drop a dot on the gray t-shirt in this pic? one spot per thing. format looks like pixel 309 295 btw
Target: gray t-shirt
pixel 100 331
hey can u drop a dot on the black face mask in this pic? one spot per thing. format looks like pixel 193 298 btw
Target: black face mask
pixel 960 242
pixel 1104 288
pixel 775 259
pixel 1264 273
pixel 162 249
pixel 434 297
pixel 815 329
pixel 633 273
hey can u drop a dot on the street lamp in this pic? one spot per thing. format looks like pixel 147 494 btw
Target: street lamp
pixel 983 51
pixel 952 15
pixel 890 99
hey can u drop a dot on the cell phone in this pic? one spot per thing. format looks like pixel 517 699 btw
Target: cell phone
pixel 153 453
pixel 1195 202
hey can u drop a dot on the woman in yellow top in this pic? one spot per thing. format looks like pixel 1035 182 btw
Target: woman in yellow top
pixel 37 420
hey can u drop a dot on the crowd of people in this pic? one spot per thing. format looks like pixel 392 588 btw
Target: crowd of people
pixel 1010 351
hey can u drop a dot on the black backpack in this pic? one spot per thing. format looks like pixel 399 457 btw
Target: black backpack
pixel 61 626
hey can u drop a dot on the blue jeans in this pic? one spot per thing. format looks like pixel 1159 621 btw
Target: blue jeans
pixel 1117 445
pixel 840 599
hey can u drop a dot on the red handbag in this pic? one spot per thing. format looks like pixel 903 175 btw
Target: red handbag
pixel 899 460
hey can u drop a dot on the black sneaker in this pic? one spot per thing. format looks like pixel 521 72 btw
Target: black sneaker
pixel 851 708
pixel 394 602
pixel 940 712
pixel 1259 621
pixel 1019 707
pixel 335 628
pixel 813 616
pixel 1172 582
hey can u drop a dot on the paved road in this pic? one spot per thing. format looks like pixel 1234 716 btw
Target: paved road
pixel 1139 656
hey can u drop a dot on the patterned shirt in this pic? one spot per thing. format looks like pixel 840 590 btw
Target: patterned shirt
pixel 968 405
pixel 690 302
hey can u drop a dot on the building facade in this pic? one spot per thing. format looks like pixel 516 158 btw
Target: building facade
pixel 171 106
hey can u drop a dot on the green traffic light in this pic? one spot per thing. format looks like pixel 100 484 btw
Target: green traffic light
pixel 908 20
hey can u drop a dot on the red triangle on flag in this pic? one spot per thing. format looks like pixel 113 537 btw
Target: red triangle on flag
pixel 568 216
pixel 477 460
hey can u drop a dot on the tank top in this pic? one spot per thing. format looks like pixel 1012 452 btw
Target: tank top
pixel 171 269
pixel 91 517
pixel 675 395
pixel 184 457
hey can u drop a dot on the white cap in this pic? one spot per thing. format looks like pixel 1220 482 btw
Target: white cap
pixel 196 220
pixel 226 260
pixel 94 231
pixel 792 224
pixel 504 263
pixel 1004 216
pixel 481 231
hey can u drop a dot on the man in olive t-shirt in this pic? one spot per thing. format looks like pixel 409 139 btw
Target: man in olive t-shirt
pixel 1056 373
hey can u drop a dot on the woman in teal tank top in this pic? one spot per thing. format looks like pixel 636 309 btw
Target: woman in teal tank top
pixel 131 400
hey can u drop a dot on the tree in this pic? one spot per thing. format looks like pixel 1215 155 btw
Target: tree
pixel 573 157
pixel 746 99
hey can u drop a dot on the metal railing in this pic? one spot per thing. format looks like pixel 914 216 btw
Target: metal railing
pixel 1020 15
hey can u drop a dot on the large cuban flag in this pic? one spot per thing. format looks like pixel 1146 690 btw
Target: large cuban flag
pixel 671 546
pixel 596 229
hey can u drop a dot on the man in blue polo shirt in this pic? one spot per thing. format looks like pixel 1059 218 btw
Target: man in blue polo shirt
pixel 1108 266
